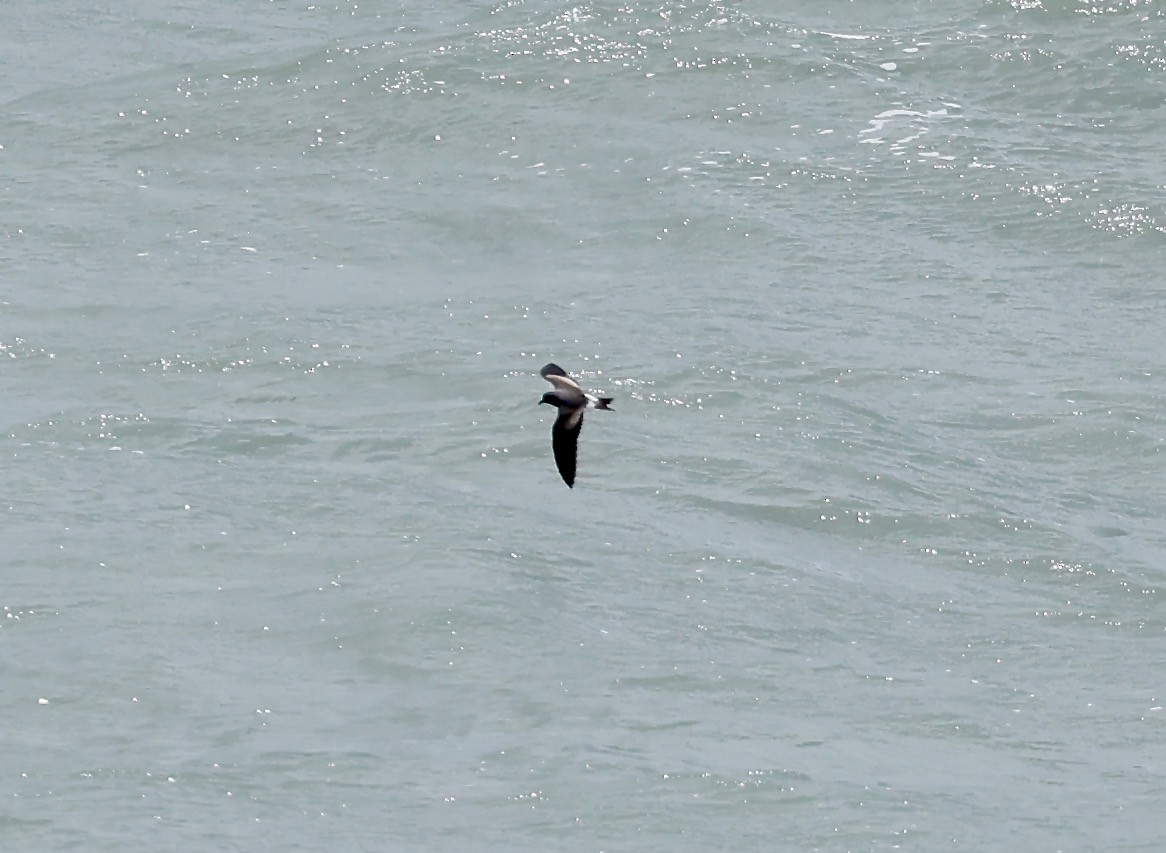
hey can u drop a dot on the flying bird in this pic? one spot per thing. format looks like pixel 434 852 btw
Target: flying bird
pixel 571 401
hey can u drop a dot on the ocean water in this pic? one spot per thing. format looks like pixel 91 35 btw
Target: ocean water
pixel 868 556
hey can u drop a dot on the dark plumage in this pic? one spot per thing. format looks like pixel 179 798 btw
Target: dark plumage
pixel 571 401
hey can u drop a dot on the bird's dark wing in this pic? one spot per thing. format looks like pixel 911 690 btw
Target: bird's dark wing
pixel 552 369
pixel 565 441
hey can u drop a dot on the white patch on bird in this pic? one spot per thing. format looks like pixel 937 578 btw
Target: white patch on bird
pixel 565 388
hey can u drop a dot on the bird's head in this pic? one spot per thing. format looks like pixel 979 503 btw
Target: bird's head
pixel 550 399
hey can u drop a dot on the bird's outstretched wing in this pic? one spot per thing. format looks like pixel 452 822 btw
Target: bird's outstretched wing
pixel 552 369
pixel 565 442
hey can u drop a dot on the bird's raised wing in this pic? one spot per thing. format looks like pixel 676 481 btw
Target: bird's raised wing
pixel 566 388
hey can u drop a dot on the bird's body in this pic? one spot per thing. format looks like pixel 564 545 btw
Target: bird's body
pixel 571 401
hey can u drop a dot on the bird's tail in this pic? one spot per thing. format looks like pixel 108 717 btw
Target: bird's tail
pixel 603 402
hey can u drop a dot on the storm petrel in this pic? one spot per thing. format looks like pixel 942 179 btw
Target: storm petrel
pixel 571 401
